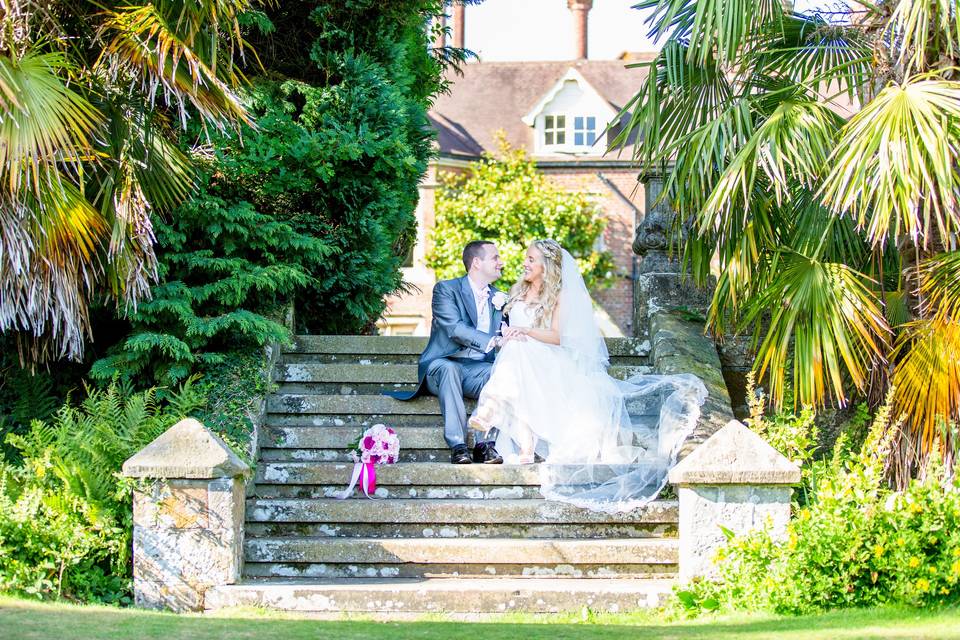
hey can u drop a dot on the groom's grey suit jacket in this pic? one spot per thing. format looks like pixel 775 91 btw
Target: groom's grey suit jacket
pixel 454 327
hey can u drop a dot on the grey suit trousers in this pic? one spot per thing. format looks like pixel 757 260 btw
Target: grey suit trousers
pixel 452 380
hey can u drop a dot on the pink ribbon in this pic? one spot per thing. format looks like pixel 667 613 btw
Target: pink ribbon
pixel 366 474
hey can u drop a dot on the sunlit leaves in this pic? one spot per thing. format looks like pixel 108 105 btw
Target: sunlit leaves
pixel 895 164
pixel 826 318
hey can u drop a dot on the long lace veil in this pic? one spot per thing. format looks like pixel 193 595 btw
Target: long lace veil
pixel 620 460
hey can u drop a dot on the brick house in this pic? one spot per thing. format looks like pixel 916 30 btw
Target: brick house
pixel 557 111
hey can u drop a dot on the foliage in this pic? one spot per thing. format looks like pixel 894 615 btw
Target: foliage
pixel 235 391
pixel 507 201
pixel 793 435
pixel 855 543
pixel 813 161
pixel 341 143
pixel 226 270
pixel 87 155
pixel 66 514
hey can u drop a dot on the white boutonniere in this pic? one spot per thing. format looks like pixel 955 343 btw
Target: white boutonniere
pixel 498 300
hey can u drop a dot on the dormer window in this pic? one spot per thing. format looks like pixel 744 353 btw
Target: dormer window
pixel 571 118
pixel 584 131
pixel 554 130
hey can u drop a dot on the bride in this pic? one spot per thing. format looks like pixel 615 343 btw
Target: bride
pixel 605 444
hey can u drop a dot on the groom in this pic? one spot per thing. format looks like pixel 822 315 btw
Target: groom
pixel 459 356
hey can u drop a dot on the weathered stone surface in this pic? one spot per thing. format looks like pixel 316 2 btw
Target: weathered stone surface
pixel 409 491
pixel 186 450
pixel 355 405
pixel 386 374
pixel 587 571
pixel 373 345
pixel 733 480
pixel 739 508
pixel 187 537
pixel 452 551
pixel 438 511
pixel 548 595
pixel 470 530
pixel 342 437
pixel 735 455
pixel 425 473
pixel 679 346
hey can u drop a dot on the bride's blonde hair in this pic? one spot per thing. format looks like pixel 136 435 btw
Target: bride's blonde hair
pixel 545 305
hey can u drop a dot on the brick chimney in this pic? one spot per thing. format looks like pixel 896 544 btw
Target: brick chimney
pixel 458 25
pixel 580 9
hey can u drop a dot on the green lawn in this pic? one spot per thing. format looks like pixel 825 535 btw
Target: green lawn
pixel 28 619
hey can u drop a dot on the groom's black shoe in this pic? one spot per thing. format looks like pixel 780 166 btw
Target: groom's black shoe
pixel 485 453
pixel 460 455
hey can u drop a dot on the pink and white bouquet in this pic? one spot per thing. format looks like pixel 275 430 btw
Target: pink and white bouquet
pixel 377 445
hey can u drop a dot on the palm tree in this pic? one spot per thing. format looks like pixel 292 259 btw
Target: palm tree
pixel 90 93
pixel 813 161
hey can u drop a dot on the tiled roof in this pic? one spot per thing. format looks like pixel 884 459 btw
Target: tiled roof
pixel 496 95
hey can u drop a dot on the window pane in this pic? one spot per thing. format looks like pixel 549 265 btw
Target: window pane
pixel 548 137
pixel 548 122
pixel 591 137
pixel 578 122
pixel 578 139
pixel 591 123
pixel 561 136
pixel 561 122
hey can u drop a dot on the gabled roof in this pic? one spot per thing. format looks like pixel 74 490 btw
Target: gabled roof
pixel 575 76
pixel 497 95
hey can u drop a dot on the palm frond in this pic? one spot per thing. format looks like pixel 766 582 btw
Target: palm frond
pixel 940 286
pixel 809 51
pixel 826 318
pixel 894 167
pixel 791 147
pixel 43 121
pixel 144 42
pixel 927 376
pixel 923 31
pixel 712 27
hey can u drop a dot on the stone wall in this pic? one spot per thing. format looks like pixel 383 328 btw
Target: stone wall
pixel 680 346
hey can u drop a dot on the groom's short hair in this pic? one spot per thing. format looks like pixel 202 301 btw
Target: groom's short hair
pixel 474 249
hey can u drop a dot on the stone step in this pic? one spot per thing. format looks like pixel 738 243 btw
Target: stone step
pixel 410 491
pixel 449 511
pixel 402 474
pixel 322 571
pixel 458 530
pixel 385 375
pixel 297 454
pixel 341 437
pixel 380 359
pixel 388 408
pixel 369 551
pixel 394 345
pixel 442 595
pixel 365 405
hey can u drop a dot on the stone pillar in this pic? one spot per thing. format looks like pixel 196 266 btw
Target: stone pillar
pixel 187 517
pixel 660 284
pixel 734 480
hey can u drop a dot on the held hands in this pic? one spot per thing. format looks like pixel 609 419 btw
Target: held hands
pixel 514 333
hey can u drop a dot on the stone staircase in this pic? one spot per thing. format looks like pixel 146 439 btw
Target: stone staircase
pixel 441 537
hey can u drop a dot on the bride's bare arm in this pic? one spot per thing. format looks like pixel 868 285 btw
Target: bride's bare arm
pixel 551 335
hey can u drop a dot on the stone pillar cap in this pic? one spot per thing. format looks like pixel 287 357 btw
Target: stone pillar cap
pixel 735 455
pixel 186 450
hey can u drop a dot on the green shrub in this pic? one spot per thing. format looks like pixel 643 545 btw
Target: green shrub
pixel 856 543
pixel 508 201
pixel 65 514
pixel 226 271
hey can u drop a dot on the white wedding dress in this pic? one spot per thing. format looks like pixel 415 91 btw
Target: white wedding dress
pixel 606 444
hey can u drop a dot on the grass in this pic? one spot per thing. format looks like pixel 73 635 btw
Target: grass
pixel 25 619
